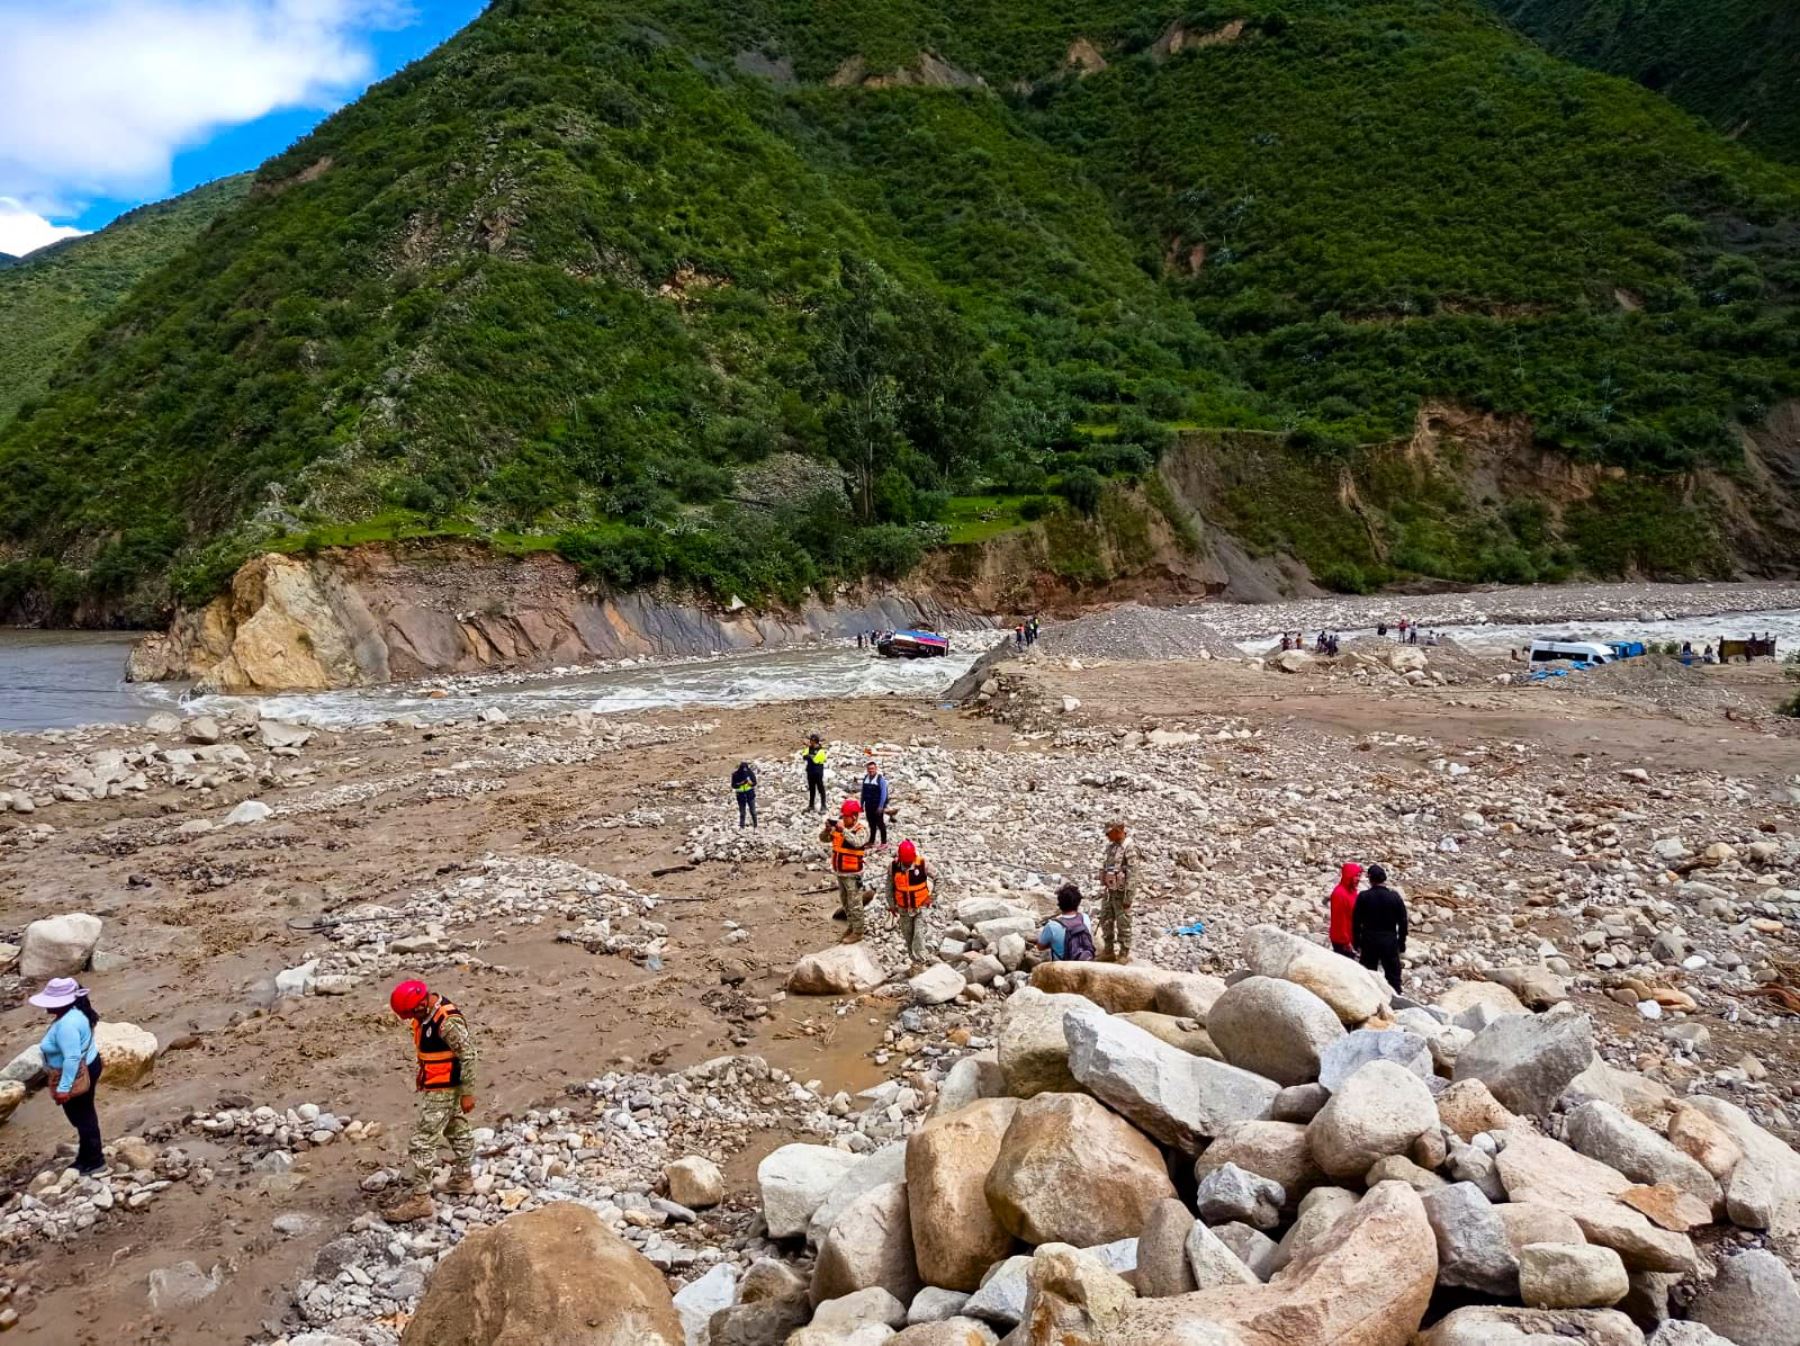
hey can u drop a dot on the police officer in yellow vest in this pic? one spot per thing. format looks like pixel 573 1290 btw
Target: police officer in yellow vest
pixel 446 1080
pixel 848 839
pixel 909 894
pixel 814 756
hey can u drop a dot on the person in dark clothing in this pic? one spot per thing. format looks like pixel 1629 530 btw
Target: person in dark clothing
pixel 814 756
pixel 1378 926
pixel 72 1058
pixel 874 803
pixel 743 785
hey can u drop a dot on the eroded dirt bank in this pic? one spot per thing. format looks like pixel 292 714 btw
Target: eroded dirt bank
pixel 469 848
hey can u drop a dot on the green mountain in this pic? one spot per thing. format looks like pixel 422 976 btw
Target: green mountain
pixel 588 273
pixel 1735 63
pixel 53 297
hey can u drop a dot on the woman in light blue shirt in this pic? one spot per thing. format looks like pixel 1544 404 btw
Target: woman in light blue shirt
pixel 67 1047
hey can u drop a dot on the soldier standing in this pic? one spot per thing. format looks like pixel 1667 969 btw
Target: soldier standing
pixel 909 894
pixel 848 839
pixel 446 1080
pixel 1118 875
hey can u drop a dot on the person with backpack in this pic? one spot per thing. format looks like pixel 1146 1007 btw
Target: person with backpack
pixel 1378 926
pixel 72 1060
pixel 743 785
pixel 1068 936
pixel 909 886
pixel 1343 905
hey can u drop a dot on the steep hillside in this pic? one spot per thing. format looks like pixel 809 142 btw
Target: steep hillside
pixel 1734 62
pixel 585 271
pixel 54 297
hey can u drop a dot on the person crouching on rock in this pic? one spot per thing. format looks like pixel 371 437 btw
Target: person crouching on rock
pixel 1343 903
pixel 446 1080
pixel 1118 876
pixel 1068 936
pixel 72 1059
pixel 909 895
pixel 1378 926
pixel 848 839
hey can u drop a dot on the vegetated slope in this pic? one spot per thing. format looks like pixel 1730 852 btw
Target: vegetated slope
pixel 1734 62
pixel 575 272
pixel 53 297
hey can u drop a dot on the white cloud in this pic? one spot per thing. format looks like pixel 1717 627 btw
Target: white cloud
pixel 23 231
pixel 96 96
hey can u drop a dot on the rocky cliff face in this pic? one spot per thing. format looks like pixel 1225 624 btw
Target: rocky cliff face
pixel 364 616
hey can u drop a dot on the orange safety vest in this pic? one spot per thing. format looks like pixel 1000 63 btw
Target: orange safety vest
pixel 438 1064
pixel 845 857
pixel 912 888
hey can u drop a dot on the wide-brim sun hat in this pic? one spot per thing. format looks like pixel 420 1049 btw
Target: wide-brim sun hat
pixel 59 993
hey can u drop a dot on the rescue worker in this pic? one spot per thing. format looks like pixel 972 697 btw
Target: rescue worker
pixel 1343 905
pixel 814 757
pixel 1118 875
pixel 1378 926
pixel 743 785
pixel 848 839
pixel 446 1078
pixel 909 894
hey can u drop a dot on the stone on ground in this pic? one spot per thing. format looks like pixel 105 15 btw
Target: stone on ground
pixel 952 1331
pixel 1343 1058
pixel 127 1054
pixel 1254 1248
pixel 1000 1299
pixel 888 1164
pixel 1601 1131
pixel 1542 1171
pixel 1229 1193
pixel 795 1180
pixel 1070 1171
pixel 1354 993
pixel 1466 995
pixel 12 1093
pixel 698 1300
pixel 1300 1102
pixel 1274 1150
pixel 1481 1325
pixel 1319 1214
pixel 1538 988
pixel 1071 1295
pixel 955 1234
pixel 1379 1111
pixel 934 1305
pixel 1468 1108
pixel 1273 1028
pixel 1752 1299
pixel 553 1275
pixel 1474 1252
pixel 1212 1263
pixel 1162 1266
pixel 1571 1276
pixel 1763 1188
pixel 1117 988
pixel 974 1077
pixel 1180 1099
pixel 1184 1035
pixel 936 985
pixel 58 946
pixel 845 969
pixel 1034 1053
pixel 1527 1060
pixel 1526 1222
pixel 869 1246
pixel 1189 995
pixel 695 1182
pixel 873 1305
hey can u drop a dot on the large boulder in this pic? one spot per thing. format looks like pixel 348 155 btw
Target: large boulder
pixel 1637 1096
pixel 1189 995
pixel 1601 1131
pixel 1115 987
pixel 1474 1252
pixel 556 1276
pixel 870 1246
pixel 1537 988
pixel 888 1164
pixel 844 969
pixel 1525 1223
pixel 1349 1054
pixel 954 1331
pixel 58 946
pixel 1212 1263
pixel 1229 1194
pixel 1763 1188
pixel 127 1054
pixel 1480 1325
pixel 955 1234
pixel 1571 1276
pixel 1381 1110
pixel 698 1300
pixel 1468 1108
pixel 1274 1150
pixel 1527 1060
pixel 1184 1035
pixel 1463 996
pixel 974 1077
pixel 695 1182
pixel 1541 1171
pixel 1180 1099
pixel 1319 1213
pixel 1071 1296
pixel 1162 1264
pixel 1034 1053
pixel 1273 1028
pixel 794 1182
pixel 1752 1299
pixel 1354 993
pixel 1367 1284
pixel 1070 1171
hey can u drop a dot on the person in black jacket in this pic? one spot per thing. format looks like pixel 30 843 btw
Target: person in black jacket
pixel 1378 926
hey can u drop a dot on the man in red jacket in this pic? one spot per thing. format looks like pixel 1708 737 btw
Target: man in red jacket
pixel 1343 907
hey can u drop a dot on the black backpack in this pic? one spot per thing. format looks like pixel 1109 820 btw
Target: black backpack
pixel 1078 939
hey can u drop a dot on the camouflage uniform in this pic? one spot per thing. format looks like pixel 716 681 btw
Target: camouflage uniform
pixel 850 886
pixel 441 1118
pixel 1120 864
pixel 915 928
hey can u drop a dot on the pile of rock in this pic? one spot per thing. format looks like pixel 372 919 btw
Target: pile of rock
pixel 1294 1156
pixel 260 1131
pixel 60 1204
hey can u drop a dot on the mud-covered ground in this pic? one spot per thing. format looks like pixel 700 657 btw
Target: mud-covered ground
pixel 1272 779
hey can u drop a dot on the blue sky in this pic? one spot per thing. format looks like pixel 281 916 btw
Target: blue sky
pixel 107 104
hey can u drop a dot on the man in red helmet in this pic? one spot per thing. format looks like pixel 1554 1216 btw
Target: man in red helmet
pixel 909 884
pixel 848 839
pixel 445 1051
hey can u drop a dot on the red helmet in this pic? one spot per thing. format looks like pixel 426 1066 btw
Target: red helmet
pixel 407 997
pixel 909 853
pixel 851 808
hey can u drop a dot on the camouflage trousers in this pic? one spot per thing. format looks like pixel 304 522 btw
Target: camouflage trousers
pixel 1115 923
pixel 850 897
pixel 441 1122
pixel 914 933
